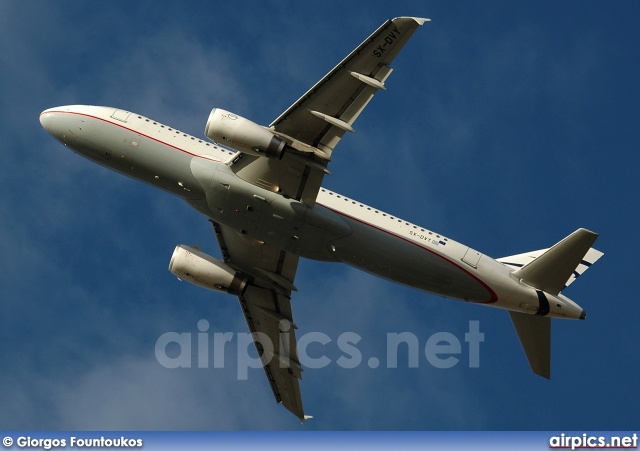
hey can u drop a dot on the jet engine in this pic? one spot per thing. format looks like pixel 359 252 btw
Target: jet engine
pixel 189 264
pixel 241 134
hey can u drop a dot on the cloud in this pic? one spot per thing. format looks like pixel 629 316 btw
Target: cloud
pixel 139 394
pixel 129 393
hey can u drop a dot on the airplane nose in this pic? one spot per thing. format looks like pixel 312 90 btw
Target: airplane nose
pixel 45 119
pixel 57 125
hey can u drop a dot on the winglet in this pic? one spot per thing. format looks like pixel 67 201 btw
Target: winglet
pixel 419 20
pixel 305 418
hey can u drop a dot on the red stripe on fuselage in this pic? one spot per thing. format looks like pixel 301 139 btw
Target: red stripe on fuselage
pixel 494 296
pixel 132 130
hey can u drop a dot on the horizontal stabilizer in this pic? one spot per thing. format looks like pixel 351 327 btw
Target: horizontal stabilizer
pixel 518 261
pixel 551 270
pixel 534 333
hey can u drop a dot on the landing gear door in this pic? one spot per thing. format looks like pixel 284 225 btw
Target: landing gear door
pixel 472 257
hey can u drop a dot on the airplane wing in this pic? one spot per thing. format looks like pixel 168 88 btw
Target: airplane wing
pixel 266 304
pixel 324 113
pixel 316 122
pixel 311 128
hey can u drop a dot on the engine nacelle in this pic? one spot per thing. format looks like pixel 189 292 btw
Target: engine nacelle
pixel 242 134
pixel 189 264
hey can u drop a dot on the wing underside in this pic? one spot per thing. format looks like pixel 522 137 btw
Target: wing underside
pixel 318 120
pixel 328 110
pixel 311 128
pixel 266 305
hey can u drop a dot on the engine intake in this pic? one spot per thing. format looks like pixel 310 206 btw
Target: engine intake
pixel 241 134
pixel 188 263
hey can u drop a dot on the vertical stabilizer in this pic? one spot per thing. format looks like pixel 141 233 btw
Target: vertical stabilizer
pixel 535 336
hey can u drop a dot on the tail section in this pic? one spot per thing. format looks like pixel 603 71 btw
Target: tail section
pixel 551 270
pixel 534 333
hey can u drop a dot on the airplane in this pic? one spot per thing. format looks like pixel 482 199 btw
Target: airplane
pixel 261 189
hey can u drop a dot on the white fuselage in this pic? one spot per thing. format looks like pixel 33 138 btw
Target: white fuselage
pixel 336 229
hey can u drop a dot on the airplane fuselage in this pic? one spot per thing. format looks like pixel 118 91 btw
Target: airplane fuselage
pixel 335 229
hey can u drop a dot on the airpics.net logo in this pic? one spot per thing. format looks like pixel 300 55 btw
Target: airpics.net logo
pixel 442 350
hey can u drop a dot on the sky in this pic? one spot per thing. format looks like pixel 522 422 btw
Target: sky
pixel 505 126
